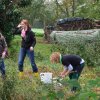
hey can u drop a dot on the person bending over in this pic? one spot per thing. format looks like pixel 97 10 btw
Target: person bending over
pixel 73 65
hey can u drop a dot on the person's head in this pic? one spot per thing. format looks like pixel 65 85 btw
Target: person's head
pixel 55 57
pixel 25 24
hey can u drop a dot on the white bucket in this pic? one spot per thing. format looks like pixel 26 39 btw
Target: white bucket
pixel 46 77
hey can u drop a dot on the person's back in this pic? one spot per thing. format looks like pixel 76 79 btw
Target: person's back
pixel 71 59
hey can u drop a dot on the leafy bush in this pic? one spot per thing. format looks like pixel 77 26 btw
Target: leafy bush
pixel 31 88
pixel 7 89
pixel 87 9
pixel 10 16
pixel 87 46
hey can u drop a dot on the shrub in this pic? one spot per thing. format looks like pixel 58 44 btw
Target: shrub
pixel 86 46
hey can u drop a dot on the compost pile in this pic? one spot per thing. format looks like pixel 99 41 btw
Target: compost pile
pixel 77 23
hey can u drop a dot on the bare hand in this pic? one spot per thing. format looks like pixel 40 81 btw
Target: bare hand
pixel 62 74
pixel 31 48
pixel 3 54
pixel 19 25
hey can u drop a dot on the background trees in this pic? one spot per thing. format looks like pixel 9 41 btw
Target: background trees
pixel 10 16
pixel 43 12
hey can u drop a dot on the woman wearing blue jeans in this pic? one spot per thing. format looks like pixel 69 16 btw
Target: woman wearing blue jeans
pixel 27 46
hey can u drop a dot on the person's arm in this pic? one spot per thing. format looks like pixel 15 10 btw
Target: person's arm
pixel 65 73
pixel 67 70
pixel 34 41
pixel 17 30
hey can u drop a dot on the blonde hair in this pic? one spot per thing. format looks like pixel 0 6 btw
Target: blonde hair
pixel 55 57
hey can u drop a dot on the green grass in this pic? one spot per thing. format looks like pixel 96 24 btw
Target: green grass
pixel 44 49
pixel 29 88
pixel 38 32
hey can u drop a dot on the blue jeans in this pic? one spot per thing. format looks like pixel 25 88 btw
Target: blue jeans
pixel 2 67
pixel 22 55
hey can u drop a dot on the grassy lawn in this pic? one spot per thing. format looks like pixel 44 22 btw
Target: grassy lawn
pixel 31 87
pixel 38 32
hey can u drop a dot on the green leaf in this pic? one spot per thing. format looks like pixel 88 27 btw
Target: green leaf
pixel 87 96
pixel 60 94
pixel 43 98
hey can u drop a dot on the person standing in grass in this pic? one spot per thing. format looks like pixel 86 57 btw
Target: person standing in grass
pixel 3 52
pixel 27 46
pixel 73 65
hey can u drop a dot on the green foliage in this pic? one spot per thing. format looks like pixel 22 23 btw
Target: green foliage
pixel 14 47
pixel 88 9
pixel 7 18
pixel 87 95
pixel 87 46
pixel 10 16
pixel 24 3
pixel 74 83
pixel 34 11
pixel 94 83
pixel 31 87
pixel 7 89
pixel 40 11
pixel 38 32
pixel 39 56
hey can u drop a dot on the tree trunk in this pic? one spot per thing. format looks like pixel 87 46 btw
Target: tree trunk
pixel 73 8
pixel 67 12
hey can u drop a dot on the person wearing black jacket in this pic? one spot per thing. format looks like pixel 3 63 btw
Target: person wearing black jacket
pixel 73 65
pixel 27 46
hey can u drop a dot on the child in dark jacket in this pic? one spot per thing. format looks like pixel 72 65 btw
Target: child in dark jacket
pixel 73 65
pixel 3 51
